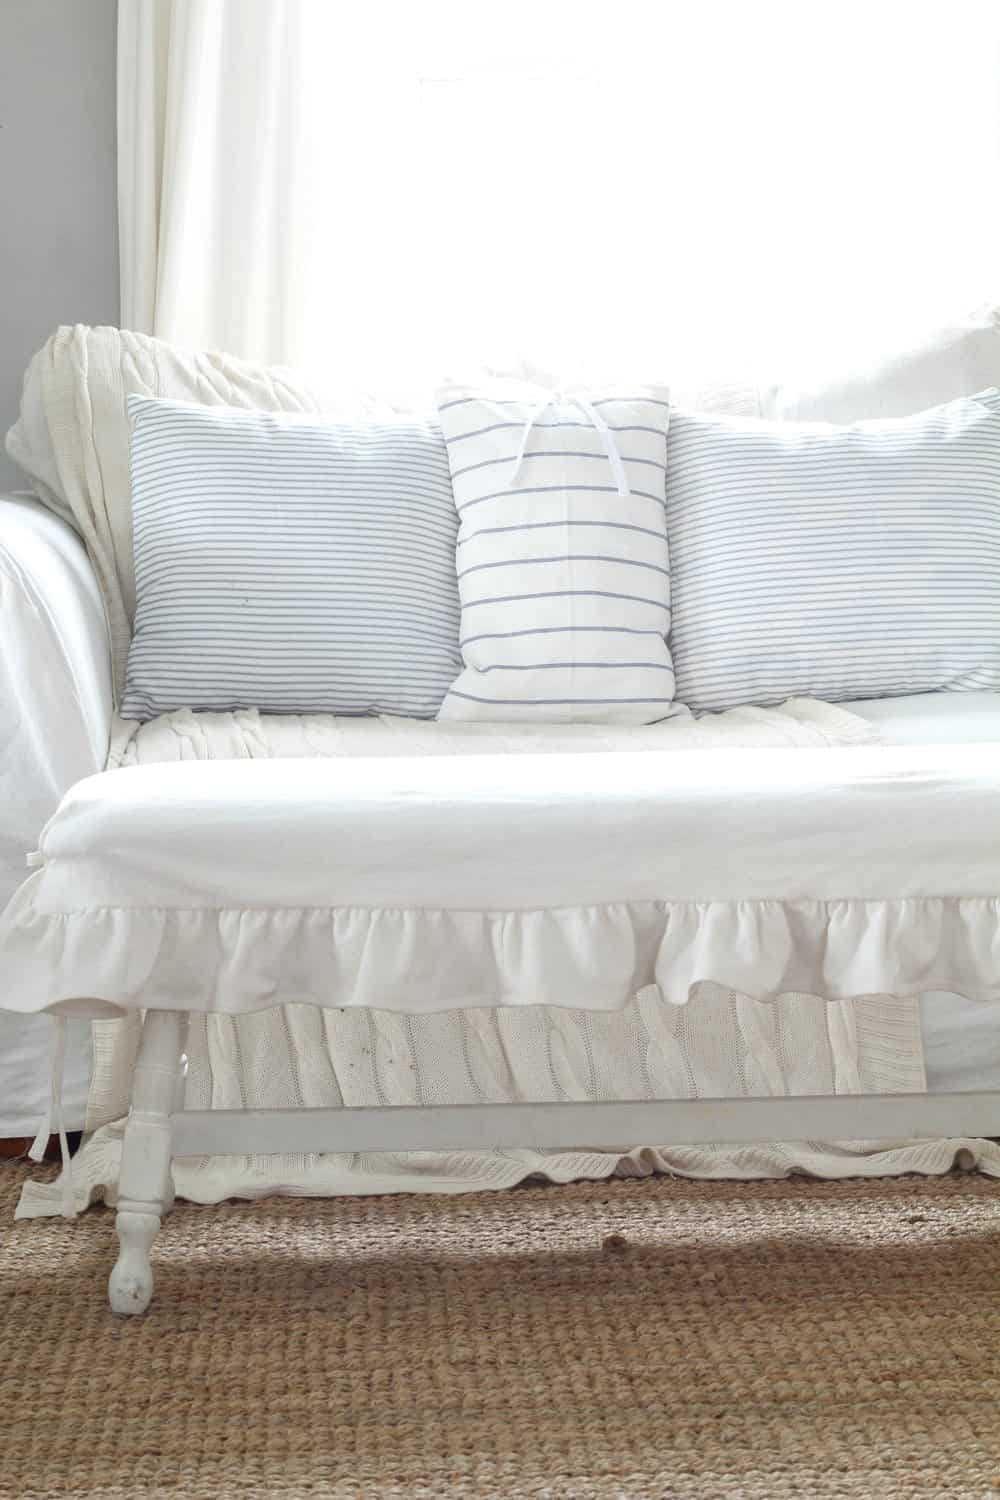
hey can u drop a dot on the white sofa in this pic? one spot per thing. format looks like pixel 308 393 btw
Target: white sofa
pixel 55 716
pixel 66 631
pixel 56 687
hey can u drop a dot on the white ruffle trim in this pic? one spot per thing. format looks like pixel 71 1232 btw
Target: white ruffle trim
pixel 422 961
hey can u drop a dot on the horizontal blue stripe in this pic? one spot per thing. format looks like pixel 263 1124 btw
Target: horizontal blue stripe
pixel 599 456
pixel 470 536
pixel 553 489
pixel 549 666
pixel 506 635
pixel 461 437
pixel 575 557
pixel 567 593
pixel 541 702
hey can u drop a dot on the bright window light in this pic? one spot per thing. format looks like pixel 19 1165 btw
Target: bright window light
pixel 667 189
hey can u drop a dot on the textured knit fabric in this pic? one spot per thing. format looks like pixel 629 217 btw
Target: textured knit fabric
pixel 562 556
pixel 835 562
pixel 289 563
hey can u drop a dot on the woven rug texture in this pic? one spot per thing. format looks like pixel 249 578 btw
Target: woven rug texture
pixel 655 1338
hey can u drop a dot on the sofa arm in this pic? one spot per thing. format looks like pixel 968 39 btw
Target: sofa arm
pixel 55 721
pixel 55 673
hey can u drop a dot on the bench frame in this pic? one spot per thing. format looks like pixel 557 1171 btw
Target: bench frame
pixel 159 1128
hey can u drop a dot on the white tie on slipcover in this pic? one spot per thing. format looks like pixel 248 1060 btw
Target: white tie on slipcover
pixel 593 416
pixel 53 1117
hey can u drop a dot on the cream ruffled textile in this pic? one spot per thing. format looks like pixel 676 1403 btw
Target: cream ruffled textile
pixel 720 1043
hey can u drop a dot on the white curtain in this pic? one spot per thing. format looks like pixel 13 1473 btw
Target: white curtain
pixel 389 192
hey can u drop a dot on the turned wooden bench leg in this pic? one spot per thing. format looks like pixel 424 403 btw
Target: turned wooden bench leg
pixel 180 1084
pixel 145 1190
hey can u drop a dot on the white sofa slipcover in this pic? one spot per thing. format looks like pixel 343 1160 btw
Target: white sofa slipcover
pixel 55 718
pixel 69 435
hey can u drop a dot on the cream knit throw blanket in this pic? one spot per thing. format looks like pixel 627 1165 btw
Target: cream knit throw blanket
pixel 72 438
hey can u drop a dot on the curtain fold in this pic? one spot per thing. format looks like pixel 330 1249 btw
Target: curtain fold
pixel 207 145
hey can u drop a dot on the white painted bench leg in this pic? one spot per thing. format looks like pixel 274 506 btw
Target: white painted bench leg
pixel 179 1088
pixel 145 1189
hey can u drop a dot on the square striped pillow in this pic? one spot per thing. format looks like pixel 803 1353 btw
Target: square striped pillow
pixel 562 559
pixel 835 562
pixel 289 563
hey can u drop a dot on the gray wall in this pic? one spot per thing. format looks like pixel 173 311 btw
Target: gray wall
pixel 58 213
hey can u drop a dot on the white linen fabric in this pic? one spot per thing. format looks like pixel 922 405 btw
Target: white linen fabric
pixel 420 884
pixel 55 715
pixel 562 555
pixel 289 563
pixel 931 718
pixel 718 1044
pixel 840 562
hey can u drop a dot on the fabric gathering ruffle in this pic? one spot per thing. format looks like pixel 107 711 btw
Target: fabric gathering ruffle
pixel 107 961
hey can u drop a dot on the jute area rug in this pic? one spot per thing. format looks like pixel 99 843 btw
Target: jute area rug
pixel 653 1338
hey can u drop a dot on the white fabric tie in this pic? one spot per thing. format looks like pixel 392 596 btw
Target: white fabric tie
pixel 596 421
pixel 53 1118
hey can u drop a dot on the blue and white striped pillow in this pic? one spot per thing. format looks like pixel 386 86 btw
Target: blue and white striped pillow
pixel 562 556
pixel 287 563
pixel 837 562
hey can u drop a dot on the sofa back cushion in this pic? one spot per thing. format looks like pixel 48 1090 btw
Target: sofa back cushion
pixel 562 555
pixel 835 562
pixel 289 563
pixel 937 365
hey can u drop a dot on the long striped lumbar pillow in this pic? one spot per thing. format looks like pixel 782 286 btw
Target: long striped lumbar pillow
pixel 287 563
pixel 562 557
pixel 835 562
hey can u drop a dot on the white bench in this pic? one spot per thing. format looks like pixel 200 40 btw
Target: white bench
pixel 418 885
